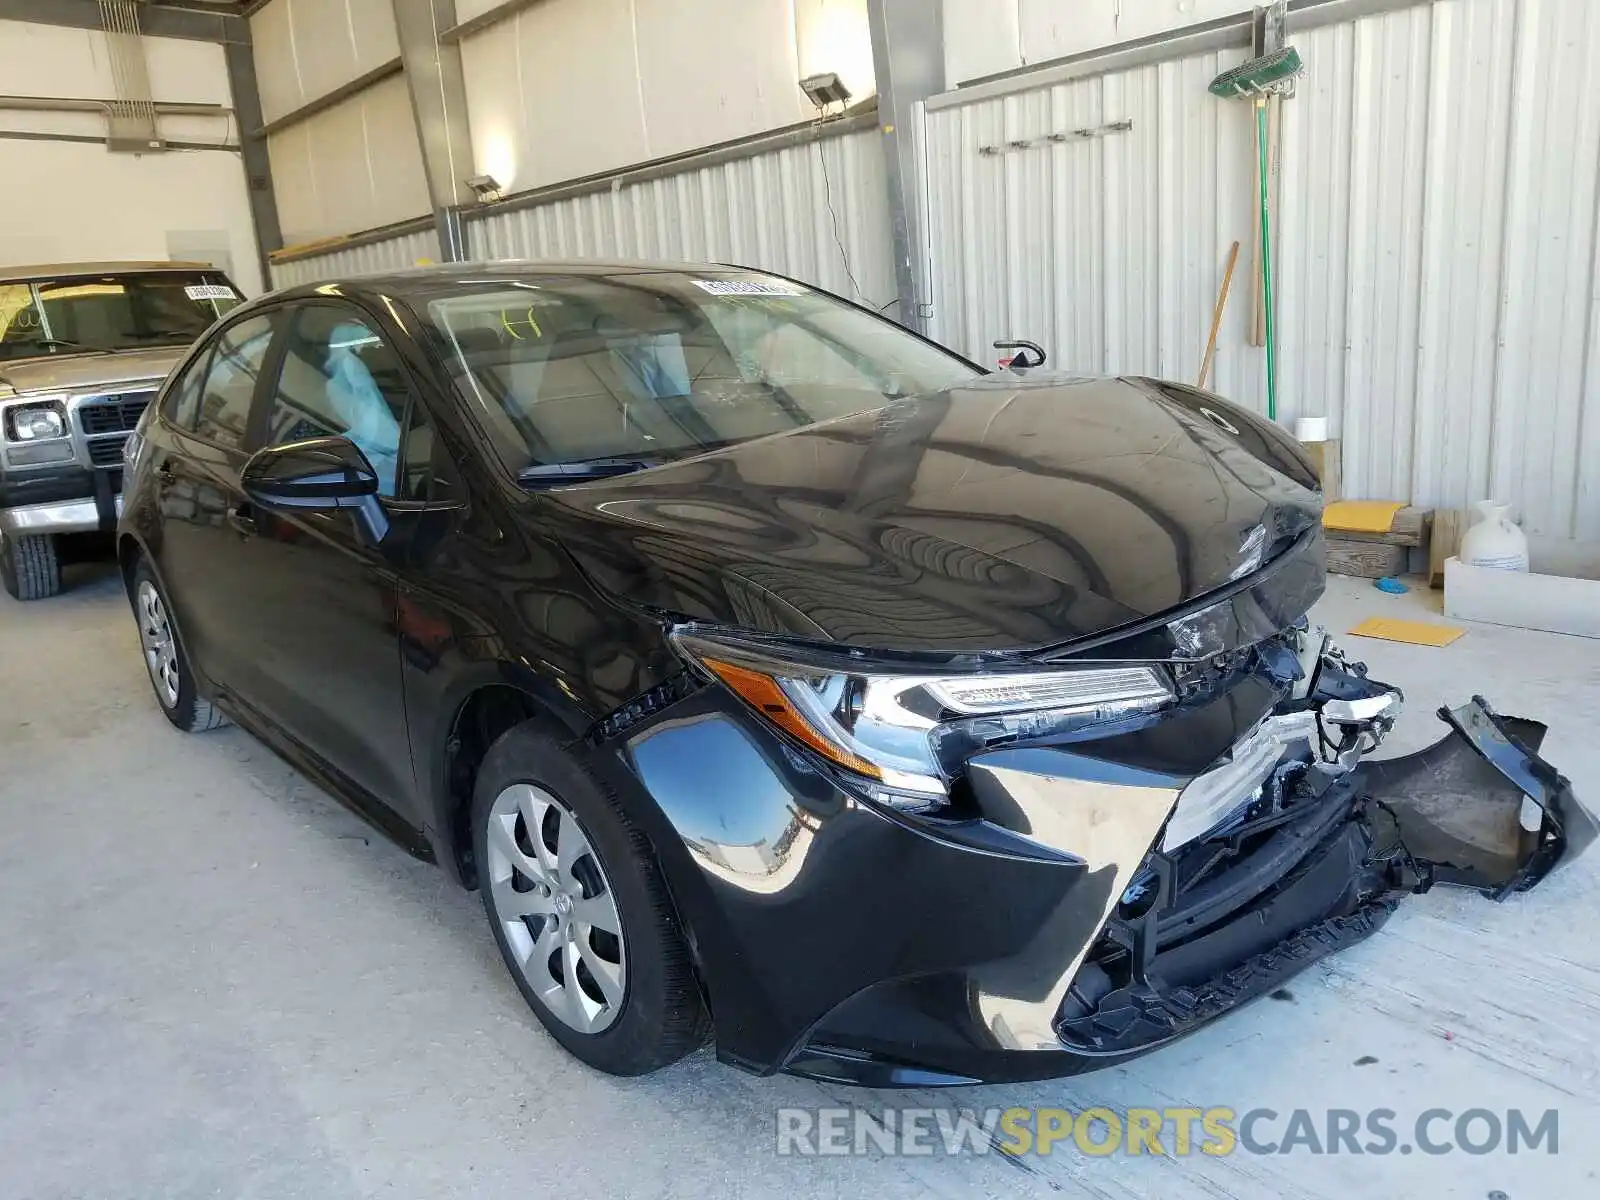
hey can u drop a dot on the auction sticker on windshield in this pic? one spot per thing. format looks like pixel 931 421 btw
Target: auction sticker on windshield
pixel 210 291
pixel 749 287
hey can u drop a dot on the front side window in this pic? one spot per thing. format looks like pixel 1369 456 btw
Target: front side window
pixel 130 311
pixel 231 381
pixel 663 365
pixel 341 379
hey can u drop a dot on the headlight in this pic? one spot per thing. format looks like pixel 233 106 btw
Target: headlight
pixel 911 732
pixel 35 423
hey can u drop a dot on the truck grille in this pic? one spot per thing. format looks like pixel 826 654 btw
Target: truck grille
pixel 107 452
pixel 113 414
pixel 106 422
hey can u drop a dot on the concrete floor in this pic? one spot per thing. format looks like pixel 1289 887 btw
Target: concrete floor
pixel 216 982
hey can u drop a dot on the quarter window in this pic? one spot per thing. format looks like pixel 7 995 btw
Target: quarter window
pixel 341 379
pixel 182 405
pixel 231 381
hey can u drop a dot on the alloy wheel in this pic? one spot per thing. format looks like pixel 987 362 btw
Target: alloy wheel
pixel 556 908
pixel 160 647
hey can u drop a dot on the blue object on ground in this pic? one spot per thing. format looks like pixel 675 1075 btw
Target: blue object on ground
pixel 1391 585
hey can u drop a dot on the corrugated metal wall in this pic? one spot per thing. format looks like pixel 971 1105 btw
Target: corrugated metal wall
pixel 402 250
pixel 817 210
pixel 1439 271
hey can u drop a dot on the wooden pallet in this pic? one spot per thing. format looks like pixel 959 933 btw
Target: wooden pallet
pixel 1375 555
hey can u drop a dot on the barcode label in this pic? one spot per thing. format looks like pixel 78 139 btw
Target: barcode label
pixel 749 287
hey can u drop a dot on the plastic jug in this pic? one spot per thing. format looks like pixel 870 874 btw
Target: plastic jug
pixel 1494 541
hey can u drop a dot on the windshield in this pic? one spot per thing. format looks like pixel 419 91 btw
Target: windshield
pixel 645 368
pixel 110 312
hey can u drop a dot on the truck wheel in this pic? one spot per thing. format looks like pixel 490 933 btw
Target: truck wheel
pixel 29 566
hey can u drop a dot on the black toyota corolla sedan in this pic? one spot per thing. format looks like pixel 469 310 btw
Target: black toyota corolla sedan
pixel 778 676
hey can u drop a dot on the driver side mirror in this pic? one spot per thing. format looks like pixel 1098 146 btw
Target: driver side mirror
pixel 1027 354
pixel 320 475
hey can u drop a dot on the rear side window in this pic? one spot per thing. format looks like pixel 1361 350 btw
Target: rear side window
pixel 231 382
pixel 182 404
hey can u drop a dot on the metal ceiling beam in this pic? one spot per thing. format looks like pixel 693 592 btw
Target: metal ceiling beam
pixel 241 64
pixel 908 60
pixel 439 109
pixel 155 20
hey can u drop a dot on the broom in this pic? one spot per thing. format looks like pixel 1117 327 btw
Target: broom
pixel 1256 80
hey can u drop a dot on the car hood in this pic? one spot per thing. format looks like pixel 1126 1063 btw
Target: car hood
pixel 75 372
pixel 1012 513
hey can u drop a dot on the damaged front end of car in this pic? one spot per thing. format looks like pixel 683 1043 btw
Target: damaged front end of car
pixel 903 873
pixel 1237 897
pixel 1199 894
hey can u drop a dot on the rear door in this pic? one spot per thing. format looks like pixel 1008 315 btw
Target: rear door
pixel 201 554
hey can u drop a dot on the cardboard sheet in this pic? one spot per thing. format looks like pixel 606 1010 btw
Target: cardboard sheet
pixel 1361 516
pixel 1416 633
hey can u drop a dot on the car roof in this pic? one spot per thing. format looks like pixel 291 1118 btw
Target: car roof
pixel 69 270
pixel 438 277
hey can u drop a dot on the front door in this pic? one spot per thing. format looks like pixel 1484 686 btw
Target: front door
pixel 327 666
pixel 202 553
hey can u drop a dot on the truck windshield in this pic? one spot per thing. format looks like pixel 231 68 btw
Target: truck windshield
pixel 609 373
pixel 109 312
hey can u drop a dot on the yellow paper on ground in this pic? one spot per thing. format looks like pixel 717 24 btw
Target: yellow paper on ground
pixel 1361 516
pixel 1417 633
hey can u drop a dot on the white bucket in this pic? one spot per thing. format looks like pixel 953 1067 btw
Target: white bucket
pixel 1311 429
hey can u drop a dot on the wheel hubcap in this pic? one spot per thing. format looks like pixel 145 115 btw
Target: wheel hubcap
pixel 555 908
pixel 160 647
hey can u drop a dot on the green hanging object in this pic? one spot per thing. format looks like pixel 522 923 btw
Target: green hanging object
pixel 1256 80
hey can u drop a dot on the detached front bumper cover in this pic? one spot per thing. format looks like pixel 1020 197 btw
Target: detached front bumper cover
pixel 1479 808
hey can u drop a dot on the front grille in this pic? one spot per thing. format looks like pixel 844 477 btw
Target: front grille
pixel 113 414
pixel 107 452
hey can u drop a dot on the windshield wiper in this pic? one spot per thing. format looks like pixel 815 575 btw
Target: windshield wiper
pixel 546 475
pixel 55 341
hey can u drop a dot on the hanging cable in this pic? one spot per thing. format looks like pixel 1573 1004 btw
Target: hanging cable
pixel 838 239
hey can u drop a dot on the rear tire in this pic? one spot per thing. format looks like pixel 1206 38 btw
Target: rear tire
pixel 559 862
pixel 29 566
pixel 171 676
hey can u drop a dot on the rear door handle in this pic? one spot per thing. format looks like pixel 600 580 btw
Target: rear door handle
pixel 242 517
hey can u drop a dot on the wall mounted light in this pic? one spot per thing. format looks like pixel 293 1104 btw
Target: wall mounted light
pixel 825 89
pixel 485 187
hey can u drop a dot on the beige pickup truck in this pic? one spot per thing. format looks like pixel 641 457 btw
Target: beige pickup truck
pixel 83 349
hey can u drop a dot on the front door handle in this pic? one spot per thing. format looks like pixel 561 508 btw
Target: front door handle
pixel 242 517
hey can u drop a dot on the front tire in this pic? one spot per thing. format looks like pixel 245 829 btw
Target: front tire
pixel 29 566
pixel 580 911
pixel 170 674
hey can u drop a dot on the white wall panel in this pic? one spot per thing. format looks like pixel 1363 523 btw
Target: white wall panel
pixel 121 206
pixel 984 37
pixel 571 88
pixel 693 99
pixel 93 204
pixel 771 210
pixel 355 166
pixel 403 250
pixel 1438 267
pixel 307 48
pixel 1107 251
